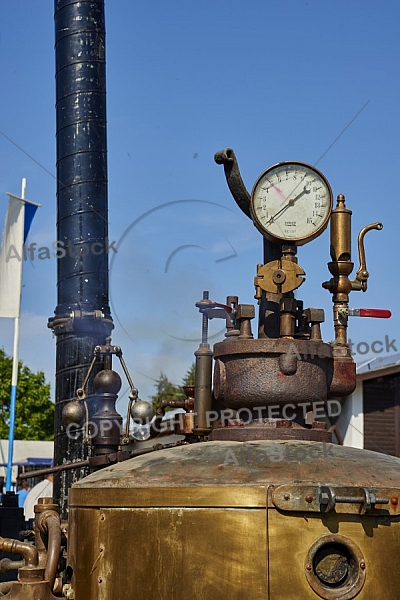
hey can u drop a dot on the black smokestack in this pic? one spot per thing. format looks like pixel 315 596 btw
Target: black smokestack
pixel 82 316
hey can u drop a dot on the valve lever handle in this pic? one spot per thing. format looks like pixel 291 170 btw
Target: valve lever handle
pixel 377 313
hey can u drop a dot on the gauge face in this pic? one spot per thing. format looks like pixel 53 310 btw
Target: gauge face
pixel 291 202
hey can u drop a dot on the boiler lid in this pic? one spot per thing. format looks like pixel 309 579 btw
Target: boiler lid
pixel 232 474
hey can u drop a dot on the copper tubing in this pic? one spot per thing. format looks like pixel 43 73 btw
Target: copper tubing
pixel 28 551
pixel 52 527
pixel 66 467
pixel 7 565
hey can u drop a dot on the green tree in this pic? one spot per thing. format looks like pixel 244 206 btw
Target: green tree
pixel 189 377
pixel 166 390
pixel 34 419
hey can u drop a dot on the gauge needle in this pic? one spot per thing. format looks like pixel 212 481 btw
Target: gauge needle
pixel 290 203
pixel 277 189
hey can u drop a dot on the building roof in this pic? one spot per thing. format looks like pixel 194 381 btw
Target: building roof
pixel 379 367
pixel 26 453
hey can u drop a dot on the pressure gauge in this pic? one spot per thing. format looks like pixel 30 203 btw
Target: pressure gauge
pixel 291 202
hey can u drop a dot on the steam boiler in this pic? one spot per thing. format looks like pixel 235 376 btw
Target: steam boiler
pixel 258 502
pixel 250 498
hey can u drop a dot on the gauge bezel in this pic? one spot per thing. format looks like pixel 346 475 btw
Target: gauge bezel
pixel 286 240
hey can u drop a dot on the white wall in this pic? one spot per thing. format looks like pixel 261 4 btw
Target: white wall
pixel 351 420
pixel 22 451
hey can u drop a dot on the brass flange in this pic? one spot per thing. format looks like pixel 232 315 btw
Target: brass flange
pixel 279 276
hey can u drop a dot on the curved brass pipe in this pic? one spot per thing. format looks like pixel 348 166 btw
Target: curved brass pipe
pixel 360 281
pixel 53 529
pixel 28 551
pixel 7 565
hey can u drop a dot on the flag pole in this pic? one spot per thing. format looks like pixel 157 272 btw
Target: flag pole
pixel 14 381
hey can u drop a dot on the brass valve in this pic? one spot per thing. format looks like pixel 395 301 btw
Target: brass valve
pixel 341 266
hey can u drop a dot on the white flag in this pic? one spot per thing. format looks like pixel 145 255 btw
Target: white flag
pixel 11 259
pixel 19 217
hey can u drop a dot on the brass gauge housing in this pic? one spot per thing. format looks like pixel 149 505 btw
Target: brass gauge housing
pixel 291 203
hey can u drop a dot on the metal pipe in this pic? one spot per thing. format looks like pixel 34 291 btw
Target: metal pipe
pixel 7 565
pixel 28 551
pixel 202 393
pixel 82 316
pixel 52 525
pixel 66 467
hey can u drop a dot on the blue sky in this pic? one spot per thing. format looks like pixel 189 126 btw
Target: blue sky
pixel 274 81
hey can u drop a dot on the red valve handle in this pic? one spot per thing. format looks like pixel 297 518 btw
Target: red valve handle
pixel 207 304
pixel 218 305
pixel 377 313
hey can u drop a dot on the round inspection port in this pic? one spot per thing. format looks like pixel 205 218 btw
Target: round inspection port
pixel 331 564
pixel 337 568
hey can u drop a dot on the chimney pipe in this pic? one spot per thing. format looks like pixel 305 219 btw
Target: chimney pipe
pixel 82 317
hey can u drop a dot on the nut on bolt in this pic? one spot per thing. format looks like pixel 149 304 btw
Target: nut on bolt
pixel 314 315
pixel 288 305
pixel 279 277
pixel 68 591
pixel 203 304
pixel 324 499
pixel 245 311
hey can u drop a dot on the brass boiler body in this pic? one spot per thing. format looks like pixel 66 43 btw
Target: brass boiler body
pixel 206 522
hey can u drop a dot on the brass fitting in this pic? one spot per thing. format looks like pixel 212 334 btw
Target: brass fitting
pixel 48 537
pixel 341 266
pixel 28 551
pixel 340 228
pixel 360 282
pixel 202 393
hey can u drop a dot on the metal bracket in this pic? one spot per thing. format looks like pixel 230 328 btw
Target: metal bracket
pixel 80 321
pixel 234 179
pixel 326 499
pixel 365 497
